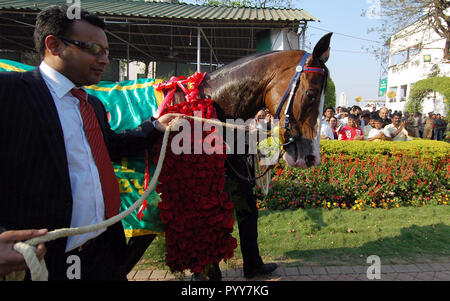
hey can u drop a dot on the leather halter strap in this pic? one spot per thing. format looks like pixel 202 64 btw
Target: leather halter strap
pixel 292 87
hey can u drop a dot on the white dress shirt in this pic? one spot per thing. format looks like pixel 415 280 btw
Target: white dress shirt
pixel 88 205
pixel 325 129
pixel 390 129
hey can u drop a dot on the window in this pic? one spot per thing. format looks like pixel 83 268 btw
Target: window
pixel 403 90
pixel 413 51
pixel 392 94
pixel 399 58
pixel 404 55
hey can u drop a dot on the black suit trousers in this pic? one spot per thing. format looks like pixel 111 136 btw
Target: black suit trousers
pixel 241 193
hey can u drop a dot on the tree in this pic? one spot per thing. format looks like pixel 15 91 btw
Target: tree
pixel 249 3
pixel 330 94
pixel 398 14
pixel 423 87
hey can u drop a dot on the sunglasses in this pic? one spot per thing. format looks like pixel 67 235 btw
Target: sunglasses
pixel 91 48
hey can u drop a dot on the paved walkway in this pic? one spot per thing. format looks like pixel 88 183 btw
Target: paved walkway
pixel 410 272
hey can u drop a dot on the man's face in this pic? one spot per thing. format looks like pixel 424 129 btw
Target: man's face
pixel 333 122
pixel 329 113
pixel 80 66
pixel 378 125
pixel 352 123
pixel 383 113
pixel 396 120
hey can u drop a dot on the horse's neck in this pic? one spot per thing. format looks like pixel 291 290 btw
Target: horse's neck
pixel 235 97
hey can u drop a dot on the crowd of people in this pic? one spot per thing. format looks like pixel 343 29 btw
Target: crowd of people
pixel 355 124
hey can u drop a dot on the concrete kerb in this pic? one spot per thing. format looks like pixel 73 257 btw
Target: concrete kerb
pixel 401 272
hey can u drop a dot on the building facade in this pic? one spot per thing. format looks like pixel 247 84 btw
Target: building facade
pixel 416 53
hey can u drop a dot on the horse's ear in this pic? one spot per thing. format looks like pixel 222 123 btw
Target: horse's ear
pixel 322 48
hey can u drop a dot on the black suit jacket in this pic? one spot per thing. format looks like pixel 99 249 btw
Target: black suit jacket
pixel 34 176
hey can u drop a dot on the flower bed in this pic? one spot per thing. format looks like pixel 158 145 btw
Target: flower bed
pixel 357 182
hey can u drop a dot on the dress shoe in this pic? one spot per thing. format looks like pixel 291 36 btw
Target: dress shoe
pixel 262 270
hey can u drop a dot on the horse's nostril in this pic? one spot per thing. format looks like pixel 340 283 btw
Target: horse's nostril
pixel 310 160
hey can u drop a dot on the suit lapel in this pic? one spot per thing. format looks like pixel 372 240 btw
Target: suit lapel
pixel 45 111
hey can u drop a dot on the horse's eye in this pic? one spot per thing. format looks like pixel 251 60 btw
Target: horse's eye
pixel 310 95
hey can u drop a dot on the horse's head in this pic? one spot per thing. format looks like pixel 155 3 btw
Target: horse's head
pixel 302 127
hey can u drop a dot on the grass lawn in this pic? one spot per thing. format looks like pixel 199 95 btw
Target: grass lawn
pixel 320 237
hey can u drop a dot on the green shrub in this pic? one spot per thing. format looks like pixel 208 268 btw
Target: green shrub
pixel 417 148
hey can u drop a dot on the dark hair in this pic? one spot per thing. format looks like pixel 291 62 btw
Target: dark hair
pixel 53 20
pixel 329 108
pixel 353 116
pixel 378 119
pixel 356 108
pixel 374 116
pixel 397 114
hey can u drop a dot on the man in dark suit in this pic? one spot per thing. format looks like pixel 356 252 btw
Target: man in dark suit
pixel 56 147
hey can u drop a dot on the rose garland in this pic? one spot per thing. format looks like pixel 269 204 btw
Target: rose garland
pixel 195 209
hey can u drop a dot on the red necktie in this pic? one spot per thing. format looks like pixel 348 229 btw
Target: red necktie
pixel 110 187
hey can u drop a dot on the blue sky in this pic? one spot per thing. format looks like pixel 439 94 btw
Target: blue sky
pixel 353 70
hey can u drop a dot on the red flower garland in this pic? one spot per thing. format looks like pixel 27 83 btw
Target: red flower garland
pixel 195 209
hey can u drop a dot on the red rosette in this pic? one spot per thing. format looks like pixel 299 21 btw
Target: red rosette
pixel 197 213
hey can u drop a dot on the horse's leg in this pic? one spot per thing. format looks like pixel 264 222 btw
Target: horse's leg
pixel 214 272
pixel 136 247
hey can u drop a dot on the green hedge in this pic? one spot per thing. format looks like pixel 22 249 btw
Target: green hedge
pixel 418 148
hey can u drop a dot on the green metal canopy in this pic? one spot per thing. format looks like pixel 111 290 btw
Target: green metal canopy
pixel 161 31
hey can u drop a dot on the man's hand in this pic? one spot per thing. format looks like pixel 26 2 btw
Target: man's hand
pixel 163 122
pixel 11 260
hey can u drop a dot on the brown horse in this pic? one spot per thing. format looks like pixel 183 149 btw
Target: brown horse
pixel 239 91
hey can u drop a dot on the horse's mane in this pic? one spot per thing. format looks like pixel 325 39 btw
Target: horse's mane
pixel 242 61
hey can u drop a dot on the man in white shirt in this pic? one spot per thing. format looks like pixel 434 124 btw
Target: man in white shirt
pixel 369 126
pixel 326 133
pixel 396 130
pixel 51 177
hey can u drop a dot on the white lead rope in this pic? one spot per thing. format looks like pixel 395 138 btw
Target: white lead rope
pixel 27 249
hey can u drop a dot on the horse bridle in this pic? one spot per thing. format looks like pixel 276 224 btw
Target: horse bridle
pixel 291 88
pixel 288 95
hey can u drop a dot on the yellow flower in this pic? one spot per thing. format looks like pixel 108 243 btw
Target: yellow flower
pixel 397 205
